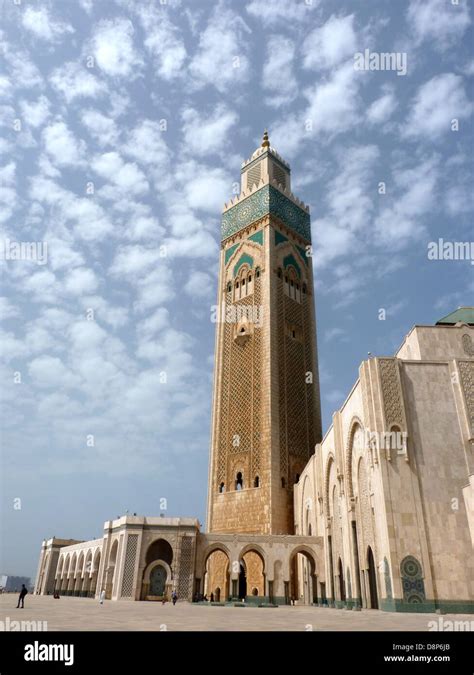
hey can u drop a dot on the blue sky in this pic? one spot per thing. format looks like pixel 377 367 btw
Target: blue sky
pixel 124 124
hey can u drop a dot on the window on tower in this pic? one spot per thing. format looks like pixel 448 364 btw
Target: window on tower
pixel 239 481
pixel 243 284
pixel 256 482
pixel 292 285
pixel 222 487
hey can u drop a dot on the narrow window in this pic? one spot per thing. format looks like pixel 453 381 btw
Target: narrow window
pixel 236 284
pixel 256 482
pixel 304 288
pixel 222 487
pixel 250 278
pixel 279 273
pixel 229 287
pixel 257 273
pixel 283 483
pixel 239 482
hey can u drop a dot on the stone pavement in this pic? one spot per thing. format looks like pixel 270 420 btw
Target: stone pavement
pixel 86 614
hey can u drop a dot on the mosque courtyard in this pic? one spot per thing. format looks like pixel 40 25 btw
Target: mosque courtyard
pixel 85 614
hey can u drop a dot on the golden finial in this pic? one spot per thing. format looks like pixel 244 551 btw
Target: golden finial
pixel 265 141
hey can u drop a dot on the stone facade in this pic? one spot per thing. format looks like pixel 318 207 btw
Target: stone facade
pixel 390 488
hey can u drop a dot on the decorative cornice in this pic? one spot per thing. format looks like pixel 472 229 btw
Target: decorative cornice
pixel 268 199
pixel 256 187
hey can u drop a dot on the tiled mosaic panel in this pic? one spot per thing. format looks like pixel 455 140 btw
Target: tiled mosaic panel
pixel 267 200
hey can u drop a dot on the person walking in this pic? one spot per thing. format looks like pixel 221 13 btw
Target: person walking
pixel 21 598
pixel 102 596
pixel 174 597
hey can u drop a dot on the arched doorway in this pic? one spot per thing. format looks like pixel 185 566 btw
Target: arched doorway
pixel 216 575
pixel 251 581
pixel 374 602
pixel 303 577
pixel 158 581
pixel 94 573
pixel 110 572
pixel 160 549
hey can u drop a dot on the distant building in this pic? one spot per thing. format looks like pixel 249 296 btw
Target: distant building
pixel 11 584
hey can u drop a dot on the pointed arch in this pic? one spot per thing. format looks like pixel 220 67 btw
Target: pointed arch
pixel 354 425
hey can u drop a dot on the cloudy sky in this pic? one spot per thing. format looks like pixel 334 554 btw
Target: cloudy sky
pixel 124 123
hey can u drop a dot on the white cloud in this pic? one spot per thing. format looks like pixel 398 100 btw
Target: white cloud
pixel 24 73
pixel 84 215
pixel 146 144
pixel 102 128
pixel 208 190
pixel 39 22
pixel 327 46
pixel 113 49
pixel 382 108
pixel 35 113
pixel 80 281
pixel 153 324
pixel 134 261
pixel 349 203
pixel 207 135
pixel 124 175
pixel 163 41
pixel 439 21
pixel 413 196
pixel 334 333
pixel 436 104
pixel 200 284
pixel 221 59
pixel 7 309
pixel 332 109
pixel 155 288
pixel 278 68
pixel 75 81
pixel 62 146
pixel 50 372
pixel 271 12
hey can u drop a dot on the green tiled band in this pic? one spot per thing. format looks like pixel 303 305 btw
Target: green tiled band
pixel 267 200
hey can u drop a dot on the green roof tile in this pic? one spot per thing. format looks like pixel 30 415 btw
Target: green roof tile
pixel 460 315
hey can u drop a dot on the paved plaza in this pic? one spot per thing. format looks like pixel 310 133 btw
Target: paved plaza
pixel 86 614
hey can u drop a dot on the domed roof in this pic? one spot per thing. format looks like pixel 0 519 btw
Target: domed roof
pixel 264 147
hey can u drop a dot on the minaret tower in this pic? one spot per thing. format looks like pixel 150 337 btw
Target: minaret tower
pixel 266 407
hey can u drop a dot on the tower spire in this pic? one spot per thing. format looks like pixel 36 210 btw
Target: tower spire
pixel 265 141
